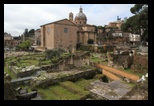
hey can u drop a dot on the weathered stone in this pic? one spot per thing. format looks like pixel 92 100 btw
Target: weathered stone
pixel 46 79
pixel 127 80
pixel 23 91
pixel 114 90
pixel 23 70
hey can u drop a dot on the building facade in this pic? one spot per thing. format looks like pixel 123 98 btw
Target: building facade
pixel 38 37
pixel 114 28
pixel 7 36
pixel 134 38
pixel 85 31
pixel 59 34
pixel 66 33
pixel 9 41
pixel 80 18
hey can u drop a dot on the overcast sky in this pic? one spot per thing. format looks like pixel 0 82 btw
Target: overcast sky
pixel 17 17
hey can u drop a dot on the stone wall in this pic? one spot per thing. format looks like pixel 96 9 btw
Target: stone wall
pixel 102 49
pixel 123 60
pixel 81 59
pixel 140 64
pixel 78 62
pixel 45 82
pixel 63 64
pixel 143 49
pixel 27 73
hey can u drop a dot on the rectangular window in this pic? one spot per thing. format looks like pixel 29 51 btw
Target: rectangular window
pixel 65 30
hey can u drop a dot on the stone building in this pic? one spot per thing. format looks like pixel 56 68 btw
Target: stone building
pixel 66 33
pixel 80 18
pixel 38 37
pixel 85 31
pixel 134 38
pixel 114 28
pixel 9 41
pixel 100 30
pixel 7 36
pixel 59 34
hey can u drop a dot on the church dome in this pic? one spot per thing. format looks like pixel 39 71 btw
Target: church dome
pixel 81 15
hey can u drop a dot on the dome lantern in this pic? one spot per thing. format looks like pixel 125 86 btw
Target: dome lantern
pixel 80 18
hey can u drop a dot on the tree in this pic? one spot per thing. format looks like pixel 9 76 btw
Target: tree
pixel 25 45
pixel 50 54
pixel 138 22
pixel 61 50
pixel 26 32
pixel 90 41
pixel 31 32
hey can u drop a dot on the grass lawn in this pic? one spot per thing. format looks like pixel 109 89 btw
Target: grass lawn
pixel 57 92
pixel 9 58
pixel 27 63
pixel 72 87
pixel 96 59
pixel 64 55
pixel 84 83
pixel 34 55
pixel 66 90
pixel 47 61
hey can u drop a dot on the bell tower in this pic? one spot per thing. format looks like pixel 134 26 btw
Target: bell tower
pixel 71 16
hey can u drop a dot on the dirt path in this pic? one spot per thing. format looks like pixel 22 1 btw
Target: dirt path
pixel 119 72
pixel 110 75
